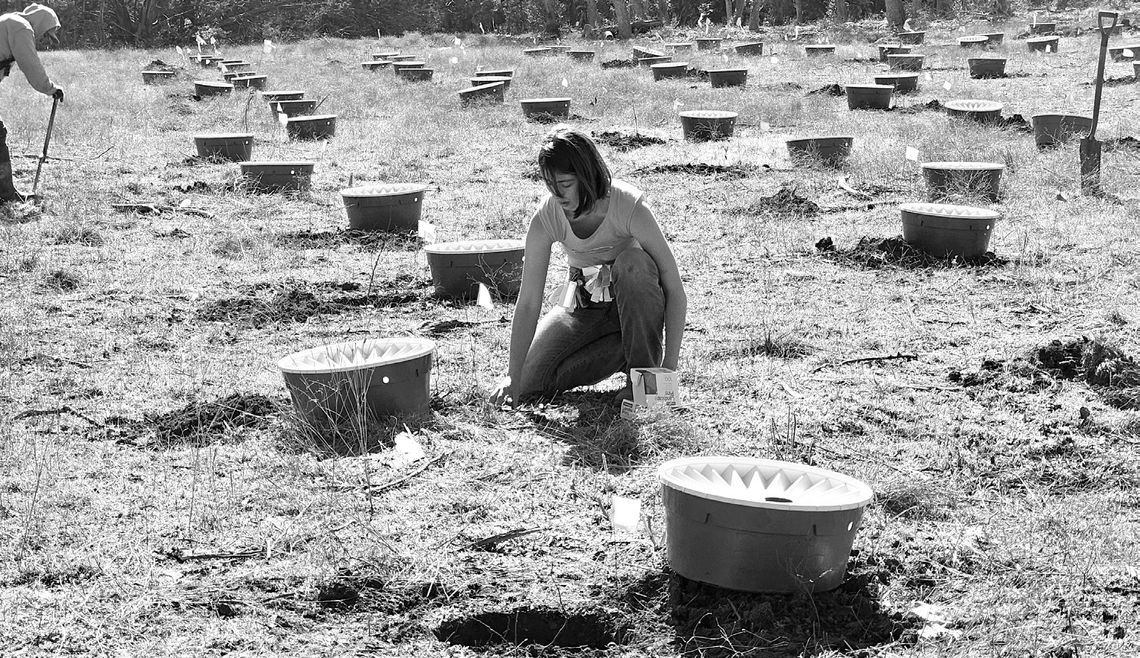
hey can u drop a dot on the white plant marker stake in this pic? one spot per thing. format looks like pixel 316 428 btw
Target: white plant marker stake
pixel 565 82
pixel 178 49
pixel 912 154
pixel 774 60
pixel 929 77
pixel 1128 53
pixel 625 513
pixel 427 232
pixel 946 85
pixel 484 298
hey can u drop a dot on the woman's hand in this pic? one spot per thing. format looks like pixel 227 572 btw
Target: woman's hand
pixel 503 393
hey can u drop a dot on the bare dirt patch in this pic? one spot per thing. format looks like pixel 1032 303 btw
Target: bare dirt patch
pixel 876 253
pixel 786 201
pixel 372 240
pixel 298 301
pixel 1105 368
pixel 197 423
pixel 700 169
pixel 621 140
pixel 544 627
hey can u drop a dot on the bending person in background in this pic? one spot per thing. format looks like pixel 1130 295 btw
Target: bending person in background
pixel 624 289
pixel 19 34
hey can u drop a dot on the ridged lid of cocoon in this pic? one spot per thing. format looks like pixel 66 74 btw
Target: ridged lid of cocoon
pixel 1042 39
pixel 312 117
pixel 299 164
pixel 669 65
pixel 964 166
pixel 213 83
pixel 869 87
pixel 973 105
pixel 708 114
pixel 973 39
pixel 356 355
pixel 224 136
pixel 384 189
pixel 765 483
pixel 949 210
pixel 543 101
pixel 475 246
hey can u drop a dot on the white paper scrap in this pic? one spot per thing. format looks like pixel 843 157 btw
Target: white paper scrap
pixel 427 231
pixel 1128 53
pixel 454 60
pixel 946 85
pixel 774 59
pixel 765 126
pixel 268 47
pixel 565 82
pixel 912 154
pixel 929 77
pixel 625 513
pixel 408 447
pixel 484 299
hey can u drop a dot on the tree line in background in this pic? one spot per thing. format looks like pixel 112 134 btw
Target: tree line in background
pixel 150 23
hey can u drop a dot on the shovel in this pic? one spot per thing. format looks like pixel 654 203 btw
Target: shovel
pixel 1090 147
pixel 47 140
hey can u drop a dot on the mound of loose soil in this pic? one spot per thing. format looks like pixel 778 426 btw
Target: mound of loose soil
pixel 365 239
pixel 619 64
pixel 875 253
pixel 781 86
pixel 933 105
pixel 625 141
pixel 1015 122
pixel 544 627
pixel 699 169
pixel 159 65
pixel 833 89
pixel 1015 376
pixel 197 422
pixel 1111 372
pixel 297 301
pixel 786 201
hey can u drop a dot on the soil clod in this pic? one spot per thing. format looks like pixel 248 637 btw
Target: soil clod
pixel 1114 374
pixel 200 421
pixel 298 301
pixel 833 89
pixel 875 253
pixel 699 169
pixel 527 626
pixel 619 64
pixel 786 201
pixel 626 141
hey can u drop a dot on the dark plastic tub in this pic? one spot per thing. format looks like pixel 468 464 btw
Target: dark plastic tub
pixel 581 55
pixel 293 108
pixel 457 268
pixel 946 180
pixel 975 41
pixel 157 77
pixel 945 230
pixel 1043 44
pixel 407 64
pixel 869 97
pixel 375 65
pixel 911 38
pixel 207 88
pixel 235 147
pixel 647 62
pixel 907 62
pixel 416 75
pixel 1053 129
pixel 982 68
pixel 904 83
pixel 760 525
pixel 488 79
pixel 495 73
pixel 277 176
pixel 705 125
pixel 669 70
pixel 819 49
pixel 753 48
pixel 316 126
pixel 728 77
pixel 538 52
pixel 493 93
pixel 708 43
pixel 831 151
pixel 994 38
pixel 1042 28
pixel 892 49
pixel 283 95
pixel 545 109
pixel 251 82
pixel 390 207
pixel 341 388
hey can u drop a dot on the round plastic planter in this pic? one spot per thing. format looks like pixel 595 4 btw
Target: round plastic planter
pixel 704 125
pixel 545 109
pixel 994 38
pixel 206 88
pixel 227 61
pixel 283 95
pixel 229 76
pixel 487 80
pixel 892 49
pixel 1054 129
pixel 375 65
pixel 416 75
pixel 277 176
pixel 642 53
pixel 394 207
pixel 409 64
pixel 538 52
pixel 987 67
pixel 829 151
pixel 581 55
pixel 350 385
pixel 669 70
pixel 708 43
pixel 818 50
pixel 911 38
pixel 295 108
pixel 1042 28
pixel 488 93
pixel 315 126
pixel 250 82
pixel 976 41
pixel 975 110
pixel 679 47
pixel 944 230
pixel 237 147
pixel 157 77
pixel 869 97
pixel 495 73
pixel 904 83
pixel 1136 71
pixel 1043 44
pixel 760 525
pixel 235 67
pixel 656 59
pixel 949 179
pixel 754 48
pixel 728 77
pixel 906 62
pixel 558 49
pixel 457 268
pixel 1125 53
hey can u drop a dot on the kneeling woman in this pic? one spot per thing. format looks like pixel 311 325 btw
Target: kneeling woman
pixel 624 289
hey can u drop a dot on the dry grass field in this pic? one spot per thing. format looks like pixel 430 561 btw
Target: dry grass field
pixel 157 499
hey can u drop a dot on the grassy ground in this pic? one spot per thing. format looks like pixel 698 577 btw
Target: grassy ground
pixel 156 499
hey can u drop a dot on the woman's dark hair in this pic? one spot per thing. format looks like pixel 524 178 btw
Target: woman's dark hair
pixel 569 151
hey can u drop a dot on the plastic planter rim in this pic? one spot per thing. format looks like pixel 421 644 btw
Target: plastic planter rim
pixel 384 189
pixel 667 475
pixel 481 247
pixel 974 105
pixel 420 347
pixel 223 136
pixel 964 166
pixel 708 114
pixel 950 210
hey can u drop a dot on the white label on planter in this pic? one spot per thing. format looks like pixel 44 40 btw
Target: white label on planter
pixel 484 298
pixel 912 154
pixel 625 513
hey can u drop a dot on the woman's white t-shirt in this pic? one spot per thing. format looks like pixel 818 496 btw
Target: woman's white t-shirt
pixel 613 235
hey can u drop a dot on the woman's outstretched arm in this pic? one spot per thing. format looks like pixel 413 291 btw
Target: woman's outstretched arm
pixel 647 232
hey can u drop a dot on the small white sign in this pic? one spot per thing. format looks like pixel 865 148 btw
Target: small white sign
pixel 427 232
pixel 765 126
pixel 625 513
pixel 484 299
pixel 912 154
pixel 946 85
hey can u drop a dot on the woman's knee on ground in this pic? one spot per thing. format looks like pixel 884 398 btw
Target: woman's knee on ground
pixel 635 266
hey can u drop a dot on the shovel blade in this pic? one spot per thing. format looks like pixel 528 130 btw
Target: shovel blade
pixel 1090 166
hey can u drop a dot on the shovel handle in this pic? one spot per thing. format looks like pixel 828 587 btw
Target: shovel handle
pixel 1103 15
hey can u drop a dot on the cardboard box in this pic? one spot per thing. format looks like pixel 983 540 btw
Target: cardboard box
pixel 652 388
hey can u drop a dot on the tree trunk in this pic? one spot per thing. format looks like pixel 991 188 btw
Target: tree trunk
pixel 663 11
pixel 896 13
pixel 728 12
pixel 621 13
pixel 591 17
pixel 636 9
pixel 754 17
pixel 1001 8
pixel 800 11
pixel 943 7
pixel 738 13
pixel 841 11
